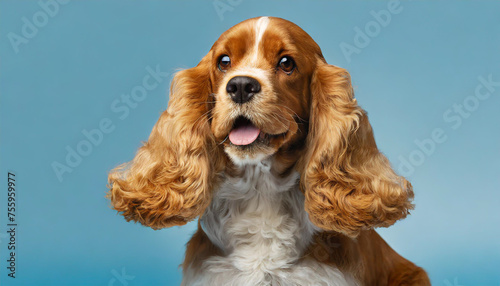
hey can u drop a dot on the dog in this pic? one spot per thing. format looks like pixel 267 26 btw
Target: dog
pixel 266 144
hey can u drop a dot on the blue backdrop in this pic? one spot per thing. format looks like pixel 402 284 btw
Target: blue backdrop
pixel 427 72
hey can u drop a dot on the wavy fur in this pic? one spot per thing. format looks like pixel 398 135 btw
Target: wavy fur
pixel 349 185
pixel 170 180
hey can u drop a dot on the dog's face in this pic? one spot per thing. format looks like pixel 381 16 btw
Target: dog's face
pixel 261 72
pixel 263 90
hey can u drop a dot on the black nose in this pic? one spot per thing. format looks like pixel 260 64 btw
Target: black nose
pixel 242 88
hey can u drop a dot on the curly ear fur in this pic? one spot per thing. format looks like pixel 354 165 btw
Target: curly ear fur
pixel 349 185
pixel 169 182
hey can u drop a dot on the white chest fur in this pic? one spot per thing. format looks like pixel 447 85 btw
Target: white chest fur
pixel 258 221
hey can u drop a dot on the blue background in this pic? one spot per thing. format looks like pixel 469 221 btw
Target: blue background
pixel 64 80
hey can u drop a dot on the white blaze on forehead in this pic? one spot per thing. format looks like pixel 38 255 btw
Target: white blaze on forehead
pixel 260 28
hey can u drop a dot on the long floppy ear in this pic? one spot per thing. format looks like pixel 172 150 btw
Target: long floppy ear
pixel 348 184
pixel 170 180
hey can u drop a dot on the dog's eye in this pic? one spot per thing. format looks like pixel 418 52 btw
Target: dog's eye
pixel 286 64
pixel 224 63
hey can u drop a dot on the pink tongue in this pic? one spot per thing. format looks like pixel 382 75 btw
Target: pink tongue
pixel 244 135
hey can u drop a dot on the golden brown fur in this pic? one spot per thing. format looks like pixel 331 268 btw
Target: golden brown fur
pixel 317 129
pixel 170 180
pixel 349 185
pixel 369 258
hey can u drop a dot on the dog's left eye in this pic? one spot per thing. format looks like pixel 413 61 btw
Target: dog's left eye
pixel 224 63
pixel 287 64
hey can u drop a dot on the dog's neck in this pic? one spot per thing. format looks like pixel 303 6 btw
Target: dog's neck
pixel 258 219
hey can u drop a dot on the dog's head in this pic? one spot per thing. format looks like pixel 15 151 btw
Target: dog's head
pixel 261 71
pixel 263 90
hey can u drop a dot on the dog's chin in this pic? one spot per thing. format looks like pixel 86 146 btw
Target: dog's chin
pixel 252 153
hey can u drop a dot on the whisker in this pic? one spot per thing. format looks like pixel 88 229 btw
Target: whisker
pixel 283 118
pixel 290 121
pixel 201 116
pixel 225 139
pixel 295 113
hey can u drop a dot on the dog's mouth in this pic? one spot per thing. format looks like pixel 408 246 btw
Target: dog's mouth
pixel 245 133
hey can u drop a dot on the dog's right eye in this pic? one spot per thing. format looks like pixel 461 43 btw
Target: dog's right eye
pixel 224 63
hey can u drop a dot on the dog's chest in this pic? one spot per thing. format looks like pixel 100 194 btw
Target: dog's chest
pixel 259 223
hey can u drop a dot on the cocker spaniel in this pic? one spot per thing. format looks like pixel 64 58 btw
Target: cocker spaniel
pixel 265 143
